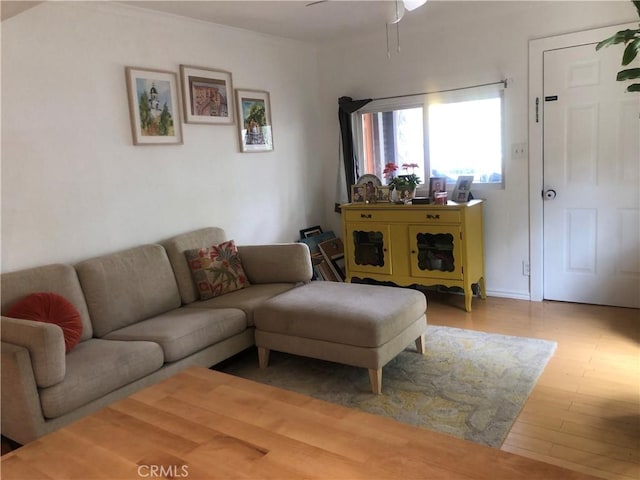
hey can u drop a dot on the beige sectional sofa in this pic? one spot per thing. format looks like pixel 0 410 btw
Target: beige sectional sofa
pixel 142 322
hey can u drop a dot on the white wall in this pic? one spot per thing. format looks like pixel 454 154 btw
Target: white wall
pixel 73 184
pixel 456 44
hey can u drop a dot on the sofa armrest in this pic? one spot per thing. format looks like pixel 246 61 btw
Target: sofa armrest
pixel 45 343
pixel 22 418
pixel 276 263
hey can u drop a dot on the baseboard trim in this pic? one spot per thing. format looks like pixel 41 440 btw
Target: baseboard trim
pixel 505 294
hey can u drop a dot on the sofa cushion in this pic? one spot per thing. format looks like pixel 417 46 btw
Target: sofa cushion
pixel 129 286
pixel 97 367
pixel 344 313
pixel 216 269
pixel 49 307
pixel 276 263
pixel 246 299
pixel 176 246
pixel 184 331
pixel 58 278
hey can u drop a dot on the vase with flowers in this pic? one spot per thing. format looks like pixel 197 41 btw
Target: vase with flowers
pixel 404 185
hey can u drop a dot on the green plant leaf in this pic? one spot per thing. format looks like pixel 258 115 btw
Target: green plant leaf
pixel 623 36
pixel 634 87
pixel 628 74
pixel 637 4
pixel 630 52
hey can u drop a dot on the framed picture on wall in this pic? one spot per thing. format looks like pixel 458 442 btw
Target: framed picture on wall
pixel 154 106
pixel 207 95
pixel 254 121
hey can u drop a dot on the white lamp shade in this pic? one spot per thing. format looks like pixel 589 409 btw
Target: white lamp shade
pixel 413 4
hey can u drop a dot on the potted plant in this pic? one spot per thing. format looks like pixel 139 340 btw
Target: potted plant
pixel 405 185
pixel 631 38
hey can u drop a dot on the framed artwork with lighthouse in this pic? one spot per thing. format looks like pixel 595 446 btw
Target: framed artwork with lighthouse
pixel 154 106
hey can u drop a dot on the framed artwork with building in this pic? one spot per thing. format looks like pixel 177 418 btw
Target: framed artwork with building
pixel 154 106
pixel 207 95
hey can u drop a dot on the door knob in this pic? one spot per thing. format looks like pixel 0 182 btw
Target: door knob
pixel 550 194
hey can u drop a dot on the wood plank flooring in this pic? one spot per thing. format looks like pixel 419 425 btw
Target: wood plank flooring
pixel 584 413
pixel 204 424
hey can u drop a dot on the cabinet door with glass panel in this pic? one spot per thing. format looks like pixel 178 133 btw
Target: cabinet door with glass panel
pixel 436 251
pixel 368 248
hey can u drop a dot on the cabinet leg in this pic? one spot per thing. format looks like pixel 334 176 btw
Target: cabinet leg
pixel 468 295
pixel 483 292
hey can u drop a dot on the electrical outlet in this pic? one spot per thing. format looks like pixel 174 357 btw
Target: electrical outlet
pixel 519 151
pixel 525 268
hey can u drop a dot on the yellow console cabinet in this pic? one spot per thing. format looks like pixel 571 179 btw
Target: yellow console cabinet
pixel 416 244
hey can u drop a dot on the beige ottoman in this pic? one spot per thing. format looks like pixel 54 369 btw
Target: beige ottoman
pixel 360 325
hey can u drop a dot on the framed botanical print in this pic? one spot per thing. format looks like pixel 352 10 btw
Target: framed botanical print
pixel 254 121
pixel 154 106
pixel 207 95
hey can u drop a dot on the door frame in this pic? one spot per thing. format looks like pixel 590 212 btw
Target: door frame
pixel 537 47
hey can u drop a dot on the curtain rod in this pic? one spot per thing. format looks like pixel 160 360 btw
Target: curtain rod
pixel 504 82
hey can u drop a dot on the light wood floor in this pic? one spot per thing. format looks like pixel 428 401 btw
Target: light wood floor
pixel 584 413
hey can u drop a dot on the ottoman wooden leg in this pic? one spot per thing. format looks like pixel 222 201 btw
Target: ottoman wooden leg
pixel 263 357
pixel 375 376
pixel 420 345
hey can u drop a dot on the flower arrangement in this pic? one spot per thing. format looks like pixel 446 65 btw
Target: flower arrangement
pixel 407 181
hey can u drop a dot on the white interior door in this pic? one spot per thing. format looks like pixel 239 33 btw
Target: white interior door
pixel 591 188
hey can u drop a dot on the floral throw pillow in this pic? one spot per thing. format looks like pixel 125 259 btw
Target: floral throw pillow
pixel 216 270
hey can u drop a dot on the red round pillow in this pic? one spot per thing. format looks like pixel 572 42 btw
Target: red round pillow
pixel 49 307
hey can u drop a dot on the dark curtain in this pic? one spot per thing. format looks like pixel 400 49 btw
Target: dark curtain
pixel 347 106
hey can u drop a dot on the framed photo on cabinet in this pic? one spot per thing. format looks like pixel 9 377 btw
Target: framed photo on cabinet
pixel 383 194
pixel 207 95
pixel 358 193
pixel 254 121
pixel 154 106
pixel 462 190
pixel 437 184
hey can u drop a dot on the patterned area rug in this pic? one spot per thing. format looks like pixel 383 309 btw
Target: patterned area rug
pixel 469 384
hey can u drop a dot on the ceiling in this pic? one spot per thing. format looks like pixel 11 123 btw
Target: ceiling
pixel 10 9
pixel 325 21
pixel 288 18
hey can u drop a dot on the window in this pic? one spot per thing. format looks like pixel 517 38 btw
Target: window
pixel 446 135
pixel 395 136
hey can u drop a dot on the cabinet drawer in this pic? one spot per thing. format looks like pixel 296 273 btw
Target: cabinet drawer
pixel 404 216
